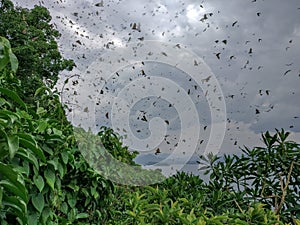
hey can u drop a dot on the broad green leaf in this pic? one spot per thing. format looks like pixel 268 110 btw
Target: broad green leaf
pixel 72 214
pixel 28 156
pixel 3 62
pixel 33 218
pixel 56 131
pixel 54 137
pixel 46 149
pixel 13 145
pixel 27 141
pixel 54 163
pixel 42 126
pixel 61 169
pixel 39 182
pixel 28 137
pixel 14 178
pixel 4 58
pixel 50 178
pixel 46 213
pixel 65 157
pixel 64 208
pixel 25 169
pixel 8 55
pixel 82 215
pixel 13 61
pixel 13 96
pixel 38 202
pixel 8 185
pixel 72 201
pixel 4 43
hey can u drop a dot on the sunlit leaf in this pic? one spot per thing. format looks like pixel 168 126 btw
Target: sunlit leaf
pixel 39 182
pixel 13 145
pixel 13 96
pixel 50 178
pixel 38 202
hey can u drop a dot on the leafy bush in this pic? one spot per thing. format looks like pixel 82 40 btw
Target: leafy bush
pixel 153 205
pixel 269 175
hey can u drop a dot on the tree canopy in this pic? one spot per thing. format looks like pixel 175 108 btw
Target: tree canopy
pixel 33 41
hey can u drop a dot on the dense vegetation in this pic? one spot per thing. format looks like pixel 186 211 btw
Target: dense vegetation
pixel 44 178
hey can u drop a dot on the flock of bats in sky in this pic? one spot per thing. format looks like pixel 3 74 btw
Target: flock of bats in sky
pixel 135 27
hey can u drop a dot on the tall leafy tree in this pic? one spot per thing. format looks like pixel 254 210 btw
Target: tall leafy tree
pixel 33 40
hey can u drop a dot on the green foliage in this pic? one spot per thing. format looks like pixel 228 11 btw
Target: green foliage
pixel 13 192
pixel 33 41
pixel 269 175
pixel 232 195
pixel 107 155
pixel 112 142
pixel 7 55
pixel 155 205
pixel 37 151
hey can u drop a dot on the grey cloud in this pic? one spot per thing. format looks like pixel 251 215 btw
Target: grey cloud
pixel 273 36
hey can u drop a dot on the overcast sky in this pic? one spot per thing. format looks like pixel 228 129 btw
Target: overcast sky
pixel 251 46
